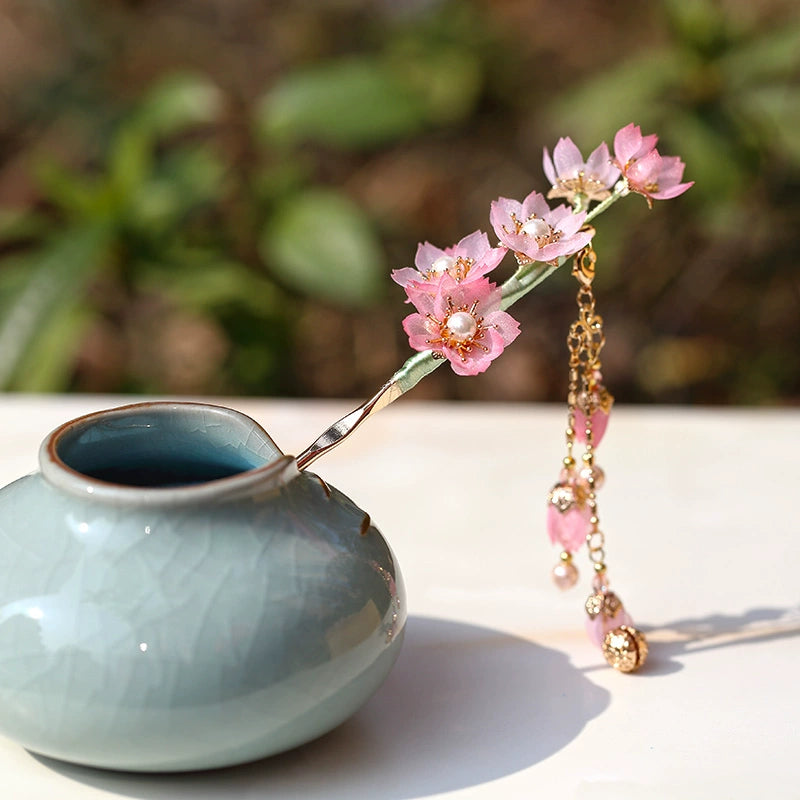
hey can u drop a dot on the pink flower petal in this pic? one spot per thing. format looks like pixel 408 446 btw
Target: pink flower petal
pixel 564 220
pixel 630 145
pixel 600 166
pixel 567 158
pixel 504 325
pixel 657 177
pixel 486 263
pixel 549 167
pixel 426 255
pixel 420 294
pixel 669 175
pixel 473 246
pixel 417 327
pixel 500 215
pixel 405 275
pixel 672 191
pixel 535 204
pixel 566 246
pixel 472 257
pixel 471 365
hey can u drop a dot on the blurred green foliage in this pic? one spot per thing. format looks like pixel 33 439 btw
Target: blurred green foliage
pixel 208 198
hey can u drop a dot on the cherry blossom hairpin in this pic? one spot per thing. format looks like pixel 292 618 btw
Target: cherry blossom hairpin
pixel 460 317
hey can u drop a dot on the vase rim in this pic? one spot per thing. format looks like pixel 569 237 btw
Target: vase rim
pixel 248 481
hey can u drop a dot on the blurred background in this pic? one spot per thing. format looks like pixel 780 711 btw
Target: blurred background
pixel 207 196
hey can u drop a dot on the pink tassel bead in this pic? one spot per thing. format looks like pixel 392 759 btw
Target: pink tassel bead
pixel 606 612
pixel 599 420
pixel 567 516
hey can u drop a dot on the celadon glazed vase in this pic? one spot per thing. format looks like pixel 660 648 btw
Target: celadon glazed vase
pixel 176 594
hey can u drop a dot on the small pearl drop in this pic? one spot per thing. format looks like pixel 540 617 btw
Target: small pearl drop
pixel 536 227
pixel 442 264
pixel 565 575
pixel 462 325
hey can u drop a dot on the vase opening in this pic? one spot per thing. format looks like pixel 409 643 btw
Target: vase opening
pixel 161 446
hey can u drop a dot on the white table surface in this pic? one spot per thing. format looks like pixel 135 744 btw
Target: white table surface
pixel 497 693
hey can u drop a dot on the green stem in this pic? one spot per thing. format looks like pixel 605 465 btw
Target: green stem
pixel 415 369
pixel 525 279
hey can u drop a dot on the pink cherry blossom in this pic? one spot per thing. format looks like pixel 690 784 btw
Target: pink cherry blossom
pixel 648 173
pixel 471 258
pixel 461 322
pixel 630 145
pixel 573 178
pixel 657 177
pixel 535 232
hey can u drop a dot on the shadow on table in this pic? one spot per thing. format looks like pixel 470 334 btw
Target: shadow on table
pixel 463 705
pixel 671 643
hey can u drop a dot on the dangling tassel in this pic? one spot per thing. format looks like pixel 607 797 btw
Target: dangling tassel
pixel 572 513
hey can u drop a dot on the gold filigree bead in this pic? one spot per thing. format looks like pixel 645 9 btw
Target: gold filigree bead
pixel 605 603
pixel 565 496
pixel 625 648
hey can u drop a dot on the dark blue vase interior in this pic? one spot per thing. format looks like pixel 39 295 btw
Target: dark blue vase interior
pixel 157 449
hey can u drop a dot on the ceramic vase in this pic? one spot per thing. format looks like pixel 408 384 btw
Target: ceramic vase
pixel 175 594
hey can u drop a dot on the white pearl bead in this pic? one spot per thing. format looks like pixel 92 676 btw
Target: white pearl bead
pixel 565 575
pixel 536 227
pixel 442 264
pixel 462 325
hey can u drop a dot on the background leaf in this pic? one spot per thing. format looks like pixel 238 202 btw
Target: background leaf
pixel 355 102
pixel 319 242
pixel 177 101
pixel 56 276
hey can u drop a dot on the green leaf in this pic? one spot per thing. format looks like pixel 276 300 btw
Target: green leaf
pixel 447 79
pixel 56 276
pixel 177 102
pixel 710 159
pixel 187 178
pixel 698 22
pixel 202 281
pixel 321 243
pixel 351 103
pixel 19 224
pixel 49 359
pixel 768 56
pixel 129 161
pixel 277 180
pixel 774 111
pixel 86 198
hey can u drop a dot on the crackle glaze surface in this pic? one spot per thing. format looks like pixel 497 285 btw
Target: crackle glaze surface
pixel 189 635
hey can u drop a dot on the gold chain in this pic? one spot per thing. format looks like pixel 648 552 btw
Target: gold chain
pixel 585 341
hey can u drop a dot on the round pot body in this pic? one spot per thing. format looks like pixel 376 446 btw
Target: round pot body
pixel 176 595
